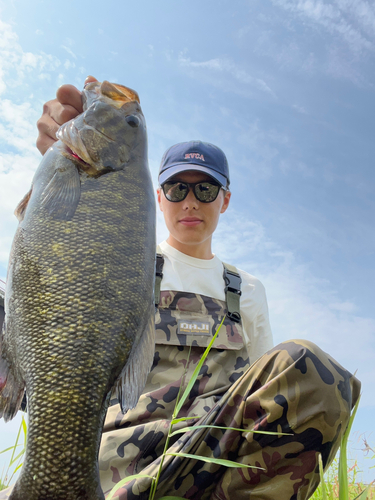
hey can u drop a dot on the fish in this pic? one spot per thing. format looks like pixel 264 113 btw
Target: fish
pixel 79 300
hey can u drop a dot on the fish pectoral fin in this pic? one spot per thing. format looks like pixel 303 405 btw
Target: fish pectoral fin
pixel 132 380
pixel 22 205
pixel 62 194
pixel 11 391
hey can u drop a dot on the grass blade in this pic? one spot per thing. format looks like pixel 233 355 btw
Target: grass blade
pixel 196 372
pixel 194 427
pixel 183 419
pixel 10 448
pixel 343 463
pixel 16 469
pixel 24 428
pixel 363 494
pixel 121 483
pixel 217 461
pixel 17 457
pixel 321 473
pixel 16 445
pixel 5 481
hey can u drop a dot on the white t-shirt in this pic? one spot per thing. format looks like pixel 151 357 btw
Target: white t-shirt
pixel 188 274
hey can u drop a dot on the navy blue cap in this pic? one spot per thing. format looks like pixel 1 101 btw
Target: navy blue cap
pixel 195 155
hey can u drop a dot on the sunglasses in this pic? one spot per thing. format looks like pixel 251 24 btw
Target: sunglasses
pixel 206 192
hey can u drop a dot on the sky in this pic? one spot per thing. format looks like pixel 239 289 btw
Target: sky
pixel 285 87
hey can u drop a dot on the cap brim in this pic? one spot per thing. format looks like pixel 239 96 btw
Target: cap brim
pixel 186 167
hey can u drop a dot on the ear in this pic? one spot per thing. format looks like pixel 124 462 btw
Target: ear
pixel 159 195
pixel 225 204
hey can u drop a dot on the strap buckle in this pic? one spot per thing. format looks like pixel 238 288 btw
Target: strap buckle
pixel 158 277
pixel 159 265
pixel 232 282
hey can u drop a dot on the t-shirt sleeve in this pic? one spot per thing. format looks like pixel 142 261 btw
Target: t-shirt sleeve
pixel 255 319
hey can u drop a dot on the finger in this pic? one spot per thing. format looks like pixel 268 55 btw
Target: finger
pixel 60 113
pixel 90 79
pixel 43 143
pixel 47 128
pixel 69 95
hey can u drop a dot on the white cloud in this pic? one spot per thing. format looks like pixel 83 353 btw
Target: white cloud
pixel 299 109
pixel 347 307
pixel 301 304
pixel 16 128
pixel 16 172
pixel 69 51
pixel 266 150
pixel 229 69
pixel 353 22
pixel 18 115
pixel 341 65
pixel 69 64
pixel 44 76
pixel 16 64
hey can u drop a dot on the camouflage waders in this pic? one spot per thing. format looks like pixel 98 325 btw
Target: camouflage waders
pixel 294 388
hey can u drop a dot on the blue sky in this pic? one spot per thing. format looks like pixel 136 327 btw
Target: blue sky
pixel 284 87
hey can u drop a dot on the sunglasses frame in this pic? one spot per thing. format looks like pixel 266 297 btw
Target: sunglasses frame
pixel 191 186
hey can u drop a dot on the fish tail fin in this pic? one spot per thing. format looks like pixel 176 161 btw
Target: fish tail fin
pixel 11 391
pixel 132 379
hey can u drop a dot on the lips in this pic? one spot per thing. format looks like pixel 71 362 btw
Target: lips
pixel 69 135
pixel 190 221
pixel 72 153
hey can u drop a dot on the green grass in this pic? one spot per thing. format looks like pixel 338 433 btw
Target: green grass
pixel 340 481
pixel 16 455
pixel 331 488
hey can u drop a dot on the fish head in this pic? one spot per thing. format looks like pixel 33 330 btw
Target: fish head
pixel 111 131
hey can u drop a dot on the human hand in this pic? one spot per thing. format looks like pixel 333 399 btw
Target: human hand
pixel 67 105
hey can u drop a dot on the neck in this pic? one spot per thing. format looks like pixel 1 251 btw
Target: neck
pixel 199 251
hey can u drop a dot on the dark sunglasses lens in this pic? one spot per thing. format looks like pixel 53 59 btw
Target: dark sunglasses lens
pixel 206 191
pixel 175 191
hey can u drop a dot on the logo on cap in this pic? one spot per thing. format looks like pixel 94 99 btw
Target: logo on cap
pixel 194 156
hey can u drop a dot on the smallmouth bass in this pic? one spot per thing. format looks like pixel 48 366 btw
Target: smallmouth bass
pixel 79 306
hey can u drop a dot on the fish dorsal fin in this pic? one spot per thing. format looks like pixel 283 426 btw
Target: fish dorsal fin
pixel 118 92
pixel 22 206
pixel 132 380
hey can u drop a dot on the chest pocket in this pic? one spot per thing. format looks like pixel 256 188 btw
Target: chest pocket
pixel 184 319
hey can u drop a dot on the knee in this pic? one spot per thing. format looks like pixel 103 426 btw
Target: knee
pixel 310 362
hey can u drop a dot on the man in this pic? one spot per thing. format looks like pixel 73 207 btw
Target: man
pixel 293 388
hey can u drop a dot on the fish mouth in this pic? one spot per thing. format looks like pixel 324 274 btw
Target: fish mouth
pixel 115 95
pixel 119 94
pixel 71 153
pixel 74 147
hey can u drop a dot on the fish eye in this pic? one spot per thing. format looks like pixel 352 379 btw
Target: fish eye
pixel 133 120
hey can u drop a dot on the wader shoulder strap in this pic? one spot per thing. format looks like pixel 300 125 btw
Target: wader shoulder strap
pixel 158 274
pixel 233 292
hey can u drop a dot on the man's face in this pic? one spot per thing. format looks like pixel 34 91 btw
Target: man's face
pixel 191 222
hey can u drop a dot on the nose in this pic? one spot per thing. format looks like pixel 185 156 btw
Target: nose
pixel 190 202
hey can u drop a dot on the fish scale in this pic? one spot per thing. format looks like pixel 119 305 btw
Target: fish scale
pixel 79 305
